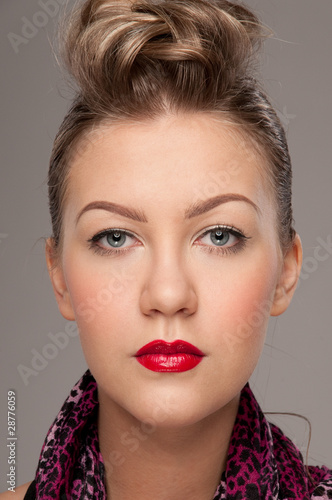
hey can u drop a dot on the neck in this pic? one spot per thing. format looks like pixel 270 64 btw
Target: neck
pixel 143 461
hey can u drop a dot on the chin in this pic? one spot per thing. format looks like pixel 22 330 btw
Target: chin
pixel 176 411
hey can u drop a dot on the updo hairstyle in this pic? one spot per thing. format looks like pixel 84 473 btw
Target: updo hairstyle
pixel 142 59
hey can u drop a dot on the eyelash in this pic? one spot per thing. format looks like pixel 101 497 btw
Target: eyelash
pixel 93 242
pixel 108 251
pixel 242 240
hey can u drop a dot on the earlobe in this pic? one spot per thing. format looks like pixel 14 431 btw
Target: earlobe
pixel 58 281
pixel 289 276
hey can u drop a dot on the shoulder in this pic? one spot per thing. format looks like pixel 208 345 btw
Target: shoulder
pixel 17 495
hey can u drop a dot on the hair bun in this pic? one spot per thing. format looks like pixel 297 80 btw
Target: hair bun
pixel 117 47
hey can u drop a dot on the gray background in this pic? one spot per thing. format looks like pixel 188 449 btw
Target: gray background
pixel 294 374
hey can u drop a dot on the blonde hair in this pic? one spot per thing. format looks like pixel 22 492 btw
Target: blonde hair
pixel 140 59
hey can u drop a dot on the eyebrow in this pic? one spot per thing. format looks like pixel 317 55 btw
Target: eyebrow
pixel 194 210
pixel 201 207
pixel 115 208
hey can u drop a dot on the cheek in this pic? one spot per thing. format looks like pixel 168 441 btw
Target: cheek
pixel 101 299
pixel 250 318
pixel 240 304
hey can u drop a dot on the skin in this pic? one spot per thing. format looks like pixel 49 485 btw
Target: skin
pixel 17 495
pixel 166 435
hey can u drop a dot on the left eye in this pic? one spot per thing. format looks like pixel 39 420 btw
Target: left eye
pixel 220 237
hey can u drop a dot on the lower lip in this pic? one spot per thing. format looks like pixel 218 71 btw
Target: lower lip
pixel 179 362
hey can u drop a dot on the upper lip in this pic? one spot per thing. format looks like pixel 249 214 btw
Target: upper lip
pixel 162 347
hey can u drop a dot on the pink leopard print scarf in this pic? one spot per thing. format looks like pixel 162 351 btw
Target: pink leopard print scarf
pixel 263 464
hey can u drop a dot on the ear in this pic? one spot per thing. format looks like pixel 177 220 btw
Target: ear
pixel 289 277
pixel 58 281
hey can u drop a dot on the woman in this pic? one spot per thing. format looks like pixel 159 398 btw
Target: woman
pixel 173 244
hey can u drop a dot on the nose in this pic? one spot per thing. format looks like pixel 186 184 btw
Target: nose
pixel 168 289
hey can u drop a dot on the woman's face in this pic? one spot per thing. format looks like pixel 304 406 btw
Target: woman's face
pixel 170 233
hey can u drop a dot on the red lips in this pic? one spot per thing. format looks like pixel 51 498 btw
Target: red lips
pixel 161 356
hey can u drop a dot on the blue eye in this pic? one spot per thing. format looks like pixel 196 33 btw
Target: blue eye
pixel 112 241
pixel 116 238
pixel 219 237
pixel 222 239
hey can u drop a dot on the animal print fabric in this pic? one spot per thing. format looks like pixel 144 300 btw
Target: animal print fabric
pixel 263 464
pixel 70 465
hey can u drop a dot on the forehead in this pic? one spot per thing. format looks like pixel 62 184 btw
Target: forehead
pixel 186 156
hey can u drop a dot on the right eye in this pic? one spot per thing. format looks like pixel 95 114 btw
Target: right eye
pixel 112 241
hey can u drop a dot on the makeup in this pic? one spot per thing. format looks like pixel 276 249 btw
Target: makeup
pixel 161 356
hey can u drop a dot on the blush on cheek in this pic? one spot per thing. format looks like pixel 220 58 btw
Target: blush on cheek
pixel 101 304
pixel 250 314
pixel 93 296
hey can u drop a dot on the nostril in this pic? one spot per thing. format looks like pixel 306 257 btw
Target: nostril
pixel 168 295
pixel 186 311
